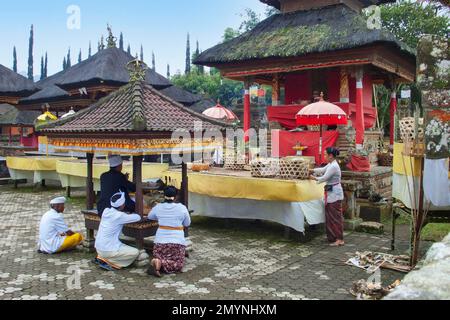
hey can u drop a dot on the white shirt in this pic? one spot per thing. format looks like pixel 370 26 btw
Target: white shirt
pixel 332 175
pixel 174 215
pixel 51 228
pixel 110 229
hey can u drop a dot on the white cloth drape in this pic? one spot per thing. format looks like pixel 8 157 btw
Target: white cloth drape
pixel 436 184
pixel 291 214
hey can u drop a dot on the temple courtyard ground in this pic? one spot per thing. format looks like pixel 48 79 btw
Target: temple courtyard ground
pixel 230 260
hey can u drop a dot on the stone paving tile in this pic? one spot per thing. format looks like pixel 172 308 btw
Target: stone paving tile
pixel 221 266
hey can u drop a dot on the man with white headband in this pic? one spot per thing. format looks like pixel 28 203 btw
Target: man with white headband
pixel 112 253
pixel 54 235
pixel 113 181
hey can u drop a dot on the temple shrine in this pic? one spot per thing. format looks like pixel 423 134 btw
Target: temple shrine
pixel 314 47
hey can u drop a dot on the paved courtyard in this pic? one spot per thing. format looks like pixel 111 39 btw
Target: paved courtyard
pixel 237 261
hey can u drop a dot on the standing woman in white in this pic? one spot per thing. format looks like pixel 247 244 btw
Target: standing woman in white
pixel 334 195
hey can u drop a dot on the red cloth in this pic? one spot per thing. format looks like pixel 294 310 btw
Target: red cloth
pixel 359 164
pixel 284 141
pixel 284 115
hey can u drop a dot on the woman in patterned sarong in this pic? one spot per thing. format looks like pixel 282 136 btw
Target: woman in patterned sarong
pixel 334 195
pixel 170 244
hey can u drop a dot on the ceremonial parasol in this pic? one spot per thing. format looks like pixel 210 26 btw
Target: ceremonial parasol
pixel 321 113
pixel 220 112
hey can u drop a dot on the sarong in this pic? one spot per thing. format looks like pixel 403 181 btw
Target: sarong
pixel 334 221
pixel 172 257
pixel 120 259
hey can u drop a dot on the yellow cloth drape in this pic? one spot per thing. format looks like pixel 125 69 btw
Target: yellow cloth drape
pixel 222 186
pixel 32 163
pixel 403 164
pixel 78 168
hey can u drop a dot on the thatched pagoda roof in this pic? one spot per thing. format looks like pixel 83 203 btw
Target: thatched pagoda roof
pixel 52 92
pixel 180 95
pixel 365 3
pixel 15 117
pixel 14 84
pixel 106 66
pixel 136 107
pixel 4 108
pixel 300 33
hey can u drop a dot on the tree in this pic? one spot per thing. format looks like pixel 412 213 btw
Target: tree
pixel 15 59
pixel 80 58
pixel 64 63
pixel 30 55
pixel 409 21
pixel 142 53
pixel 68 60
pixel 188 55
pixel 168 71
pixel 121 41
pixel 251 20
pixel 101 44
pixel 229 34
pixel 46 65
pixel 153 61
pixel 199 69
pixel 129 50
pixel 42 69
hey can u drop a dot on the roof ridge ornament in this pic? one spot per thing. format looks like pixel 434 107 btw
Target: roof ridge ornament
pixel 137 69
pixel 111 40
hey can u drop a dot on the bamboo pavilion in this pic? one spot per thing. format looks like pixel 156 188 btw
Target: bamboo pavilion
pixel 135 120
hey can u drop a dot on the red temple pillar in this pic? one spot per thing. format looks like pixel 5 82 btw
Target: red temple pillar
pixel 247 113
pixel 359 124
pixel 393 110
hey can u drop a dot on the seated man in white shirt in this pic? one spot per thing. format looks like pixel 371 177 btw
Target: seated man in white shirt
pixel 54 235
pixel 112 253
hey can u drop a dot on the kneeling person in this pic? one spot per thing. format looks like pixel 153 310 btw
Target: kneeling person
pixel 54 235
pixel 109 248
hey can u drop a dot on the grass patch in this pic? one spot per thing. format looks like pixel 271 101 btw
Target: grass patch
pixel 435 231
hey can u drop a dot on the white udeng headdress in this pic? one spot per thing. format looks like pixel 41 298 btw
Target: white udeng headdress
pixel 119 202
pixel 59 200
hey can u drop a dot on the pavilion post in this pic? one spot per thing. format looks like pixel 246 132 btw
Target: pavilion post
pixel 137 173
pixel 393 110
pixel 276 90
pixel 359 125
pixel 10 136
pixel 184 185
pixel 90 196
pixel 247 113
pixel 344 87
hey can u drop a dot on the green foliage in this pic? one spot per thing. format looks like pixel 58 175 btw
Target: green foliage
pixel 410 20
pixel 15 59
pixel 210 86
pixel 229 34
pixel 30 54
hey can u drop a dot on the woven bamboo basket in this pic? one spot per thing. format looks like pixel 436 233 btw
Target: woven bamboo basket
pixel 234 163
pixel 294 169
pixel 265 168
pixel 407 126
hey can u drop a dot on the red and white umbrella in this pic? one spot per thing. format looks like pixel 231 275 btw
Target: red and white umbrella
pixel 221 113
pixel 321 113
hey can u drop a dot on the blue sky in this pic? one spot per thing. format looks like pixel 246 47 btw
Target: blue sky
pixel 160 25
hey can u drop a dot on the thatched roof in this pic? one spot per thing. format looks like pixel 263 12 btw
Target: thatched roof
pixel 108 66
pixel 136 107
pixel 180 95
pixel 13 84
pixel 47 94
pixel 365 3
pixel 4 108
pixel 300 33
pixel 19 118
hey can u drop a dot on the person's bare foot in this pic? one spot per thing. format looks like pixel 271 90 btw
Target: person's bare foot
pixel 335 244
pixel 155 268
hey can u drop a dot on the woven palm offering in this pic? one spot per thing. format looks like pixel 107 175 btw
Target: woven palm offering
pixel 407 129
pixel 234 162
pixel 264 168
pixel 199 167
pixel 386 159
pixel 294 168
